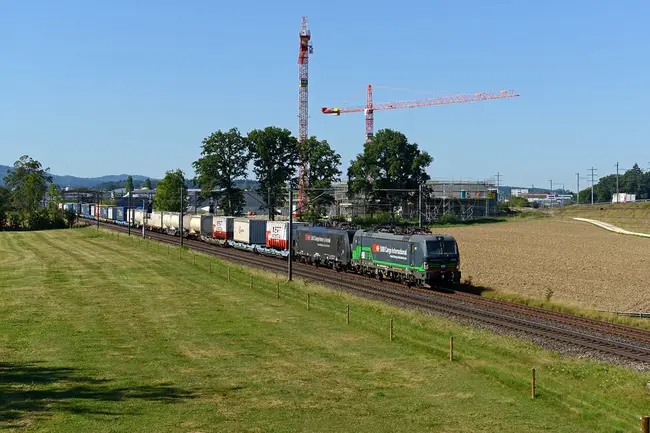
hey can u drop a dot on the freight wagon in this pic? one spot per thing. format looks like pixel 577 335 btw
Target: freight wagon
pixel 248 233
pixel 198 226
pixel 277 237
pixel 322 246
pixel 171 222
pixel 222 229
pixel 415 259
pixel 154 221
pixel 120 214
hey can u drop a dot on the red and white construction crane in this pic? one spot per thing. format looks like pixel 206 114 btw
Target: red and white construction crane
pixel 370 108
pixel 303 109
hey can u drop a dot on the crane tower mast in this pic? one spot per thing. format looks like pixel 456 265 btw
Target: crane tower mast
pixel 303 110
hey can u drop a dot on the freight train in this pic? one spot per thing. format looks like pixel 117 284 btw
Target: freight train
pixel 418 259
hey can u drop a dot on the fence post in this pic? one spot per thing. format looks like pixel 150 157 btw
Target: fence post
pixel 451 348
pixel 347 315
pixel 307 301
pixel 194 259
pixel 390 334
pixel 532 390
pixel 250 281
pixel 645 424
pixel 228 273
pixel 278 293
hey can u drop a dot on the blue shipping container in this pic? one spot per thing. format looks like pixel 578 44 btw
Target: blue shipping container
pixel 120 213
pixel 103 211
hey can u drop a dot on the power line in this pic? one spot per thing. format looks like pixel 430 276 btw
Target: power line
pixel 593 171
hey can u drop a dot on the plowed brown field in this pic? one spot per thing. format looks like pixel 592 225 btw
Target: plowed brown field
pixel 579 262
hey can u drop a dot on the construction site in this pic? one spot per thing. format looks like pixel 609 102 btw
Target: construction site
pixel 430 202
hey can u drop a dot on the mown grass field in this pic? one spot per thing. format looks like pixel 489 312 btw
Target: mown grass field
pixel 100 334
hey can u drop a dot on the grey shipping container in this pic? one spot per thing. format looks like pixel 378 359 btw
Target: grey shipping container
pixel 249 231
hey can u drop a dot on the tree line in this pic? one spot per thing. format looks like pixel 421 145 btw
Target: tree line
pixel 633 181
pixel 385 174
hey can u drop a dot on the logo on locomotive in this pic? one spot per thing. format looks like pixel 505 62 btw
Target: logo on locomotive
pixel 376 248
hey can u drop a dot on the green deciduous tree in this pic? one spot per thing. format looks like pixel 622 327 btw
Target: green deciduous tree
pixel 224 159
pixel 275 155
pixel 324 170
pixel 27 183
pixel 146 183
pixel 388 162
pixel 129 184
pixel 5 206
pixel 168 193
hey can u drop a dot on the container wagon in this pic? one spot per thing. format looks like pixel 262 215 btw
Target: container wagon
pixel 277 237
pixel 198 226
pixel 248 233
pixel 222 229
pixel 120 215
pixel 171 222
pixel 154 221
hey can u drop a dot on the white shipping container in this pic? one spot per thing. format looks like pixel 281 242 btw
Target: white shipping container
pixel 277 233
pixel 111 213
pixel 222 227
pixel 171 220
pixel 198 224
pixel 139 216
pixel 155 220
pixel 248 231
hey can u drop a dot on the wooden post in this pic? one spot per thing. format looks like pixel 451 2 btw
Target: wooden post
pixel 210 266
pixel 532 388
pixel 194 259
pixel 278 293
pixel 347 315
pixel 307 301
pixel 250 281
pixel 451 348
pixel 228 273
pixel 167 248
pixel 645 424
pixel 390 334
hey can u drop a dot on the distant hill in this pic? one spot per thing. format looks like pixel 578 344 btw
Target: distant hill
pixel 113 181
pixel 76 182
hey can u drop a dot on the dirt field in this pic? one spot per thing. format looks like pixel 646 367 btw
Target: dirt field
pixel 579 262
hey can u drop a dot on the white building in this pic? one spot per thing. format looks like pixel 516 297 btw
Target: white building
pixel 623 197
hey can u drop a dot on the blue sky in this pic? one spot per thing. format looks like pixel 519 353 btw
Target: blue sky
pixel 133 86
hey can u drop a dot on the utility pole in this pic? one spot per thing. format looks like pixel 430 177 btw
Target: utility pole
pixel 144 215
pixel 128 215
pixel 180 221
pixel 498 176
pixel 97 212
pixel 268 201
pixel 290 260
pixel 420 206
pixel 617 182
pixel 592 170
pixel 578 188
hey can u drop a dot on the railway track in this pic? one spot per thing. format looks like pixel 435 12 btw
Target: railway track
pixel 623 342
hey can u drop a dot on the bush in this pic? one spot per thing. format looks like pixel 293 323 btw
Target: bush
pixel 449 219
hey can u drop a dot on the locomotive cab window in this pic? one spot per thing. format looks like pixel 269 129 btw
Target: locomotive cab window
pixel 449 247
pixel 434 248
